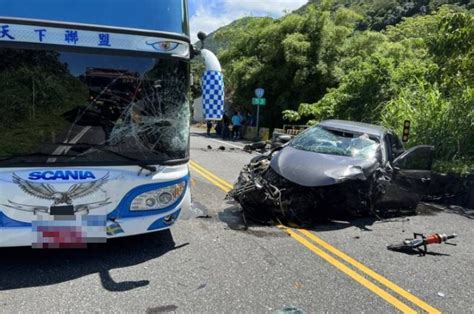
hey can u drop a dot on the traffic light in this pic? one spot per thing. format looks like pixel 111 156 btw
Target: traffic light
pixel 406 131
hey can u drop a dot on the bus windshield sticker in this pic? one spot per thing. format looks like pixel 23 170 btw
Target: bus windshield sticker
pixel 91 39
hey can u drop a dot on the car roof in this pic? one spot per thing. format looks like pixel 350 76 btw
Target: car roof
pixel 356 127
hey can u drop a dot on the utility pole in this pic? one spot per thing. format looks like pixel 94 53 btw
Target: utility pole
pixel 258 122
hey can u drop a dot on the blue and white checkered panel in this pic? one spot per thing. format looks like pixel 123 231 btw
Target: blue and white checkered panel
pixel 213 95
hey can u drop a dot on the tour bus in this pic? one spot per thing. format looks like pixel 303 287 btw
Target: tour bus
pixel 95 118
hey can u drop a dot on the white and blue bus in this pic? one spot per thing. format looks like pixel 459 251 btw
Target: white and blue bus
pixel 94 119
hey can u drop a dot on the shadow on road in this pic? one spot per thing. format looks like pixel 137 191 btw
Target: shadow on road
pixel 333 225
pixel 234 219
pixel 26 267
pixel 415 253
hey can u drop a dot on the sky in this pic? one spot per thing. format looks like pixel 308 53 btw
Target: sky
pixel 209 15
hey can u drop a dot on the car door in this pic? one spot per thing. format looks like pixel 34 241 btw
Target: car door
pixel 412 169
pixel 410 174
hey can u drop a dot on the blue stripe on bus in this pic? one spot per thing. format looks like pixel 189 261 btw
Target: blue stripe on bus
pixel 6 222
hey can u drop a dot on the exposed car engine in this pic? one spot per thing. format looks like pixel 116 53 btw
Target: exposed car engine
pixel 265 195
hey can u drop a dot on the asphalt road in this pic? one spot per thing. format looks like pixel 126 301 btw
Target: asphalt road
pixel 213 264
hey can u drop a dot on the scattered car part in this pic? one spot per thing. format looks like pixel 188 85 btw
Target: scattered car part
pixel 420 242
pixel 258 146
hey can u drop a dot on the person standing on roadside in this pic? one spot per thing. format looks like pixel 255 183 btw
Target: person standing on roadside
pixel 226 124
pixel 209 127
pixel 237 124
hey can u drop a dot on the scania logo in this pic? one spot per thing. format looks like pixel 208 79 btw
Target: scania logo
pixel 56 193
pixel 65 175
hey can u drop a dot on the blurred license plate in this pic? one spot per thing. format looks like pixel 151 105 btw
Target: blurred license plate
pixel 59 232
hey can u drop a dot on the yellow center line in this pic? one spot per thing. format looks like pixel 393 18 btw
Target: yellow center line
pixel 302 235
pixel 349 272
pixel 210 179
pixel 210 174
pixel 384 281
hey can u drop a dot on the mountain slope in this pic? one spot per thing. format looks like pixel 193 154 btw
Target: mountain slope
pixel 217 40
pixel 381 13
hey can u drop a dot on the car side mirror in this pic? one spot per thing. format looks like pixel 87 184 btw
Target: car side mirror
pixel 213 93
pixel 284 138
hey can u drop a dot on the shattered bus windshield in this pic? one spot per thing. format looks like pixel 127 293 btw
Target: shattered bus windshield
pixel 63 104
pixel 94 82
pixel 319 140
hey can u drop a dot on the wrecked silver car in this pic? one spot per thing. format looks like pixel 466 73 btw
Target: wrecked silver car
pixel 332 169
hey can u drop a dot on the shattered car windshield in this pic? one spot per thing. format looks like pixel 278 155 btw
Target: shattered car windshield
pixel 58 106
pixel 323 141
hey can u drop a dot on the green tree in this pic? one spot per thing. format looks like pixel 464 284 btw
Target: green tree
pixel 420 70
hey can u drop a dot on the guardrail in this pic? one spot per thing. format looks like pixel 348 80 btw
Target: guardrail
pixel 288 129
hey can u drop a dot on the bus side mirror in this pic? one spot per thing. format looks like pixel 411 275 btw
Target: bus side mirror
pixel 212 87
pixel 202 37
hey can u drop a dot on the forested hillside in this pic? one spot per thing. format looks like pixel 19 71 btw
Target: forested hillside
pixel 377 61
pixel 378 14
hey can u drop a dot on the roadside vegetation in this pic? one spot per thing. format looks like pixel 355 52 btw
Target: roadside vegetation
pixel 382 61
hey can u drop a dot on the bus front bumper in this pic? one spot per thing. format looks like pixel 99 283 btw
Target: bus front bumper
pixel 112 228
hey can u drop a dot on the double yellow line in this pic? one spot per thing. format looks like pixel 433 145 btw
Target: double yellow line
pixel 220 183
pixel 322 248
pixel 338 259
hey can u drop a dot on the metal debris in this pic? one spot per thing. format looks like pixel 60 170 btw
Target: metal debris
pixel 290 310
pixel 260 147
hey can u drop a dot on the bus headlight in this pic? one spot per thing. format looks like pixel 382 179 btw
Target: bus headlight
pixel 158 199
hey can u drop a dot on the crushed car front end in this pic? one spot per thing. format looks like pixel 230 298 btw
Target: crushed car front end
pixel 333 170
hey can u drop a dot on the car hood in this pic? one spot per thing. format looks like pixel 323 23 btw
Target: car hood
pixel 314 169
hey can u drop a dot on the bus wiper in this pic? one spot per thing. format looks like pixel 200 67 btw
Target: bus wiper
pixel 103 148
pixel 31 155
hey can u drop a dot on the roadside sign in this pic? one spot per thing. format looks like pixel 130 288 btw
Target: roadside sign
pixel 259 92
pixel 259 101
